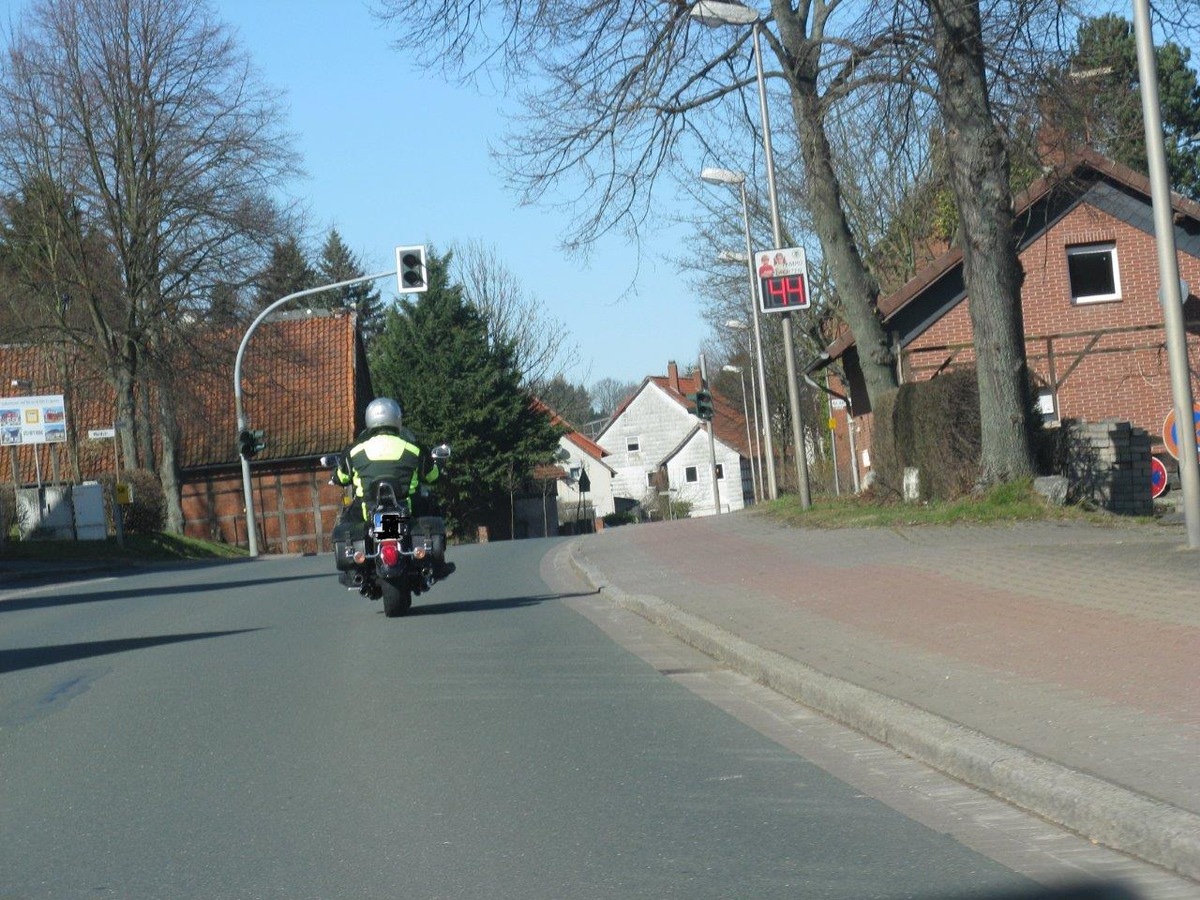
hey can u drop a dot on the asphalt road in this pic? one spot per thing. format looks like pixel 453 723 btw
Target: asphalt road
pixel 251 730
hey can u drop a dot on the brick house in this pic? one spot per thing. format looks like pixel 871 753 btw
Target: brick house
pixel 306 385
pixel 1094 333
pixel 655 444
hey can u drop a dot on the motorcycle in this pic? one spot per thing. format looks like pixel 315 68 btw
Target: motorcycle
pixel 394 554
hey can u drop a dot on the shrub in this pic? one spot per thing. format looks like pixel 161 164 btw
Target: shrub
pixel 614 519
pixel 932 426
pixel 147 514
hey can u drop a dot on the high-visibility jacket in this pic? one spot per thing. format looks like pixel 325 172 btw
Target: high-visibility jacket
pixel 386 453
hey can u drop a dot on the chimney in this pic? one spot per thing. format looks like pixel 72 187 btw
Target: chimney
pixel 673 376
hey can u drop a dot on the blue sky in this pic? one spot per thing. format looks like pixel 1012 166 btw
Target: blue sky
pixel 394 158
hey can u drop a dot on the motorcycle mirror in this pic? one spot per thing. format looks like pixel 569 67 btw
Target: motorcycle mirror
pixel 441 451
pixel 330 461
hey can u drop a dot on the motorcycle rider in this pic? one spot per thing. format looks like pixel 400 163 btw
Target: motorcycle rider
pixel 386 449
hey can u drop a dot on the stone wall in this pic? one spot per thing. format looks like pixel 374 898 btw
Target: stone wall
pixel 1108 463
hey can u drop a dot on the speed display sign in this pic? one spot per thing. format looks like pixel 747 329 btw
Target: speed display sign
pixel 782 279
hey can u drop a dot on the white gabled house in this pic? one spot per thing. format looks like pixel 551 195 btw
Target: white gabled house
pixel 656 445
pixel 584 484
pixel 586 494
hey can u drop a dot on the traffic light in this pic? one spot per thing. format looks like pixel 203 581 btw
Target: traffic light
pixel 704 404
pixel 250 443
pixel 410 269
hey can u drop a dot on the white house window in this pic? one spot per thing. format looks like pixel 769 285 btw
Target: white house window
pixel 690 475
pixel 1095 277
pixel 720 471
pixel 632 444
pixel 649 479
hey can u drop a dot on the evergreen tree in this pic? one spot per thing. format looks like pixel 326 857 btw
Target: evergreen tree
pixel 1101 105
pixel 339 263
pixel 287 272
pixel 456 385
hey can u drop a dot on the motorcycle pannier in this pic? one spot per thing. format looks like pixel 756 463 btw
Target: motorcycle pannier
pixel 348 539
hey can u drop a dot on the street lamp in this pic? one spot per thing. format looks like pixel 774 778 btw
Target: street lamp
pixel 759 429
pixel 1168 273
pixel 724 176
pixel 725 12
pixel 749 440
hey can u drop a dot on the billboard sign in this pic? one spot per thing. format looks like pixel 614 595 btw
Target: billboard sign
pixel 33 420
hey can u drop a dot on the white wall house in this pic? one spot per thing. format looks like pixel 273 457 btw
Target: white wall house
pixel 583 457
pixel 655 444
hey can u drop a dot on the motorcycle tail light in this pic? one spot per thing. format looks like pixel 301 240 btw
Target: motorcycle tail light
pixel 389 552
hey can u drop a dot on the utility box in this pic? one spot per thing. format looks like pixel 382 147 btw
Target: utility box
pixel 45 513
pixel 90 522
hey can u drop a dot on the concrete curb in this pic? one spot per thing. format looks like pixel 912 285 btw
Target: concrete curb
pixel 1148 829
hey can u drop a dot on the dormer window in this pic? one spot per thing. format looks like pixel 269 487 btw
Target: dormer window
pixel 1093 273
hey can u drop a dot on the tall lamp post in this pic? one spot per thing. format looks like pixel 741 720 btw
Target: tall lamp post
pixel 729 12
pixel 1168 273
pixel 738 325
pixel 725 176
pixel 749 440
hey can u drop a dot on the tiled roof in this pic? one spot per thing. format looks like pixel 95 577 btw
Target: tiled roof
pixel 729 425
pixel 304 384
pixel 584 443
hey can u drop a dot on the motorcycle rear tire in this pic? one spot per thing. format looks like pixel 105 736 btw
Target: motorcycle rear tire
pixel 397 600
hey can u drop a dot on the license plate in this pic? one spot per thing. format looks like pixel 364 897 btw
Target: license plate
pixel 387 524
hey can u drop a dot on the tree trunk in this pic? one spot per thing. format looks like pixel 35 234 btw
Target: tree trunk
pixel 123 386
pixel 857 289
pixel 979 178
pixel 168 469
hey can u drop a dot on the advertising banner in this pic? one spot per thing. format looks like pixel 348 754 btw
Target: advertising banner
pixel 33 420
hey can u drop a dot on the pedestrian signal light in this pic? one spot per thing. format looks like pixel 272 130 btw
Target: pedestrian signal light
pixel 410 269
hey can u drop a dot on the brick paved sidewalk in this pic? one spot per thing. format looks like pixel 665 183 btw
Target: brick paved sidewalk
pixel 1079 644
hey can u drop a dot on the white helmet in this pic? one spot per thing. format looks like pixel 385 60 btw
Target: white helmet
pixel 383 412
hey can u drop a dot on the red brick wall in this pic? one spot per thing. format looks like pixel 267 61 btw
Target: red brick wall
pixel 1102 373
pixel 295 508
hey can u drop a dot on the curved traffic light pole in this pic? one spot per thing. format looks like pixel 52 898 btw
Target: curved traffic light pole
pixel 242 424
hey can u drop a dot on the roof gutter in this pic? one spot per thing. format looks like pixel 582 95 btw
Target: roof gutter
pixel 819 363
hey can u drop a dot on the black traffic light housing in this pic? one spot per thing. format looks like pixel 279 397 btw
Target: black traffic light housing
pixel 701 404
pixel 410 269
pixel 250 443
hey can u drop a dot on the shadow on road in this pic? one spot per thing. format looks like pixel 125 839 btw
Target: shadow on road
pixel 32 657
pixel 459 606
pixel 65 599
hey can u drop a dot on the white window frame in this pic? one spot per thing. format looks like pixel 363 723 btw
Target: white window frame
pixel 633 443
pixel 693 472
pixel 1108 247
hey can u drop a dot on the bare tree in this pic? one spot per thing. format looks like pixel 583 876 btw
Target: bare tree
pixel 621 90
pixel 543 346
pixel 153 125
